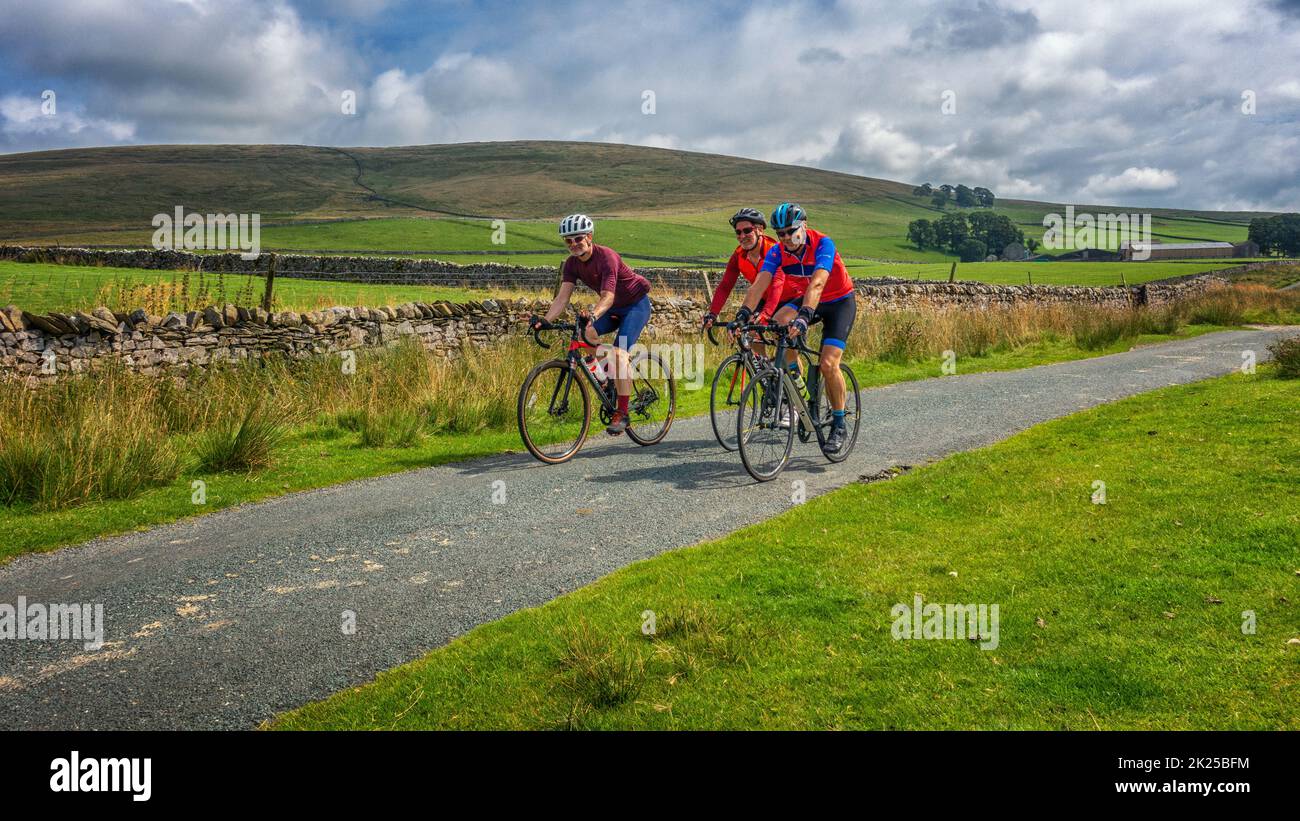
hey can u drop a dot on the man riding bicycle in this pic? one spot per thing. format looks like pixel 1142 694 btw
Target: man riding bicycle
pixel 803 281
pixel 624 302
pixel 750 227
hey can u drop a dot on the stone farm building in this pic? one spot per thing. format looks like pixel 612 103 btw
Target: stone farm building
pixel 1190 250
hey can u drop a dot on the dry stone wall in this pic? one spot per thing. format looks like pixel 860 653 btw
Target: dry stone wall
pixel 42 348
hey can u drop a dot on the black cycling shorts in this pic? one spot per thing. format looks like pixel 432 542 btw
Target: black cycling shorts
pixel 836 318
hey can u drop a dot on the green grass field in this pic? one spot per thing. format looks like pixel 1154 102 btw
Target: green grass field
pixel 877 231
pixel 40 287
pixel 1127 615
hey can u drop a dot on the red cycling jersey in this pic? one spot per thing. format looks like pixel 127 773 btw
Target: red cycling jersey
pixel 792 274
pixel 739 265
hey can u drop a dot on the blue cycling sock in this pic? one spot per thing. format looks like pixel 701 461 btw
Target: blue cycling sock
pixel 838 415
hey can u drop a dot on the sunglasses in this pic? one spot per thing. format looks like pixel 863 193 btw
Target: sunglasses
pixel 789 233
pixel 744 232
pixel 574 240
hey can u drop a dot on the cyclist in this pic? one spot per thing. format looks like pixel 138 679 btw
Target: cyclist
pixel 803 281
pixel 750 227
pixel 624 302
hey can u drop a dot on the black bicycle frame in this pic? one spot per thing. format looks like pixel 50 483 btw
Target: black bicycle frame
pixel 574 356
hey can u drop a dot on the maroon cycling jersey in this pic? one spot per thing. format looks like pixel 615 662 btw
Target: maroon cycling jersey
pixel 605 270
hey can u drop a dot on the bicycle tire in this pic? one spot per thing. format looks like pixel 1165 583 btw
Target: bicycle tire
pixel 736 385
pixel 523 406
pixel 853 413
pixel 746 424
pixel 642 383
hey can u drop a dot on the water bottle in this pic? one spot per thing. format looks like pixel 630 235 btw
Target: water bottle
pixel 594 365
pixel 799 384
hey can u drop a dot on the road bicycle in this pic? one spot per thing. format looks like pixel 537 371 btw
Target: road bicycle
pixel 729 381
pixel 764 436
pixel 554 408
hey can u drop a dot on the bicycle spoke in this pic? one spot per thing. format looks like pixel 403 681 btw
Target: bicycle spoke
pixel 653 402
pixel 554 412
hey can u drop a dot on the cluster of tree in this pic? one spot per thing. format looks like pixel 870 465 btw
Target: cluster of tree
pixel 960 194
pixel 971 238
pixel 1278 234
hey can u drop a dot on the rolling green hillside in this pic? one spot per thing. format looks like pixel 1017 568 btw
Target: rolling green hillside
pixel 435 199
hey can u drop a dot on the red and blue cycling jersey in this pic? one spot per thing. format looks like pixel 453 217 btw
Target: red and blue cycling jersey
pixel 792 274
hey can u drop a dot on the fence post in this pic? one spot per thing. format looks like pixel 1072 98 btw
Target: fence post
pixel 270 284
pixel 1122 281
pixel 1030 274
pixel 708 289
pixel 952 274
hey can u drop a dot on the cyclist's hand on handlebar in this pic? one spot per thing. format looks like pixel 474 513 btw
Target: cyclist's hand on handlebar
pixel 709 319
pixel 538 323
pixel 799 325
pixel 742 318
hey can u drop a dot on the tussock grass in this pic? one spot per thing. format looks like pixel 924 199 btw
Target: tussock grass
pixel 81 440
pixel 244 442
pixel 1286 352
pixel 596 671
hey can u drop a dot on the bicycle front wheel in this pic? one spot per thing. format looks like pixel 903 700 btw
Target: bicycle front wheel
pixel 554 412
pixel 653 402
pixel 728 383
pixel 763 441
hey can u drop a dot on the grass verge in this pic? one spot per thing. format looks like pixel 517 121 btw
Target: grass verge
pixel 315 425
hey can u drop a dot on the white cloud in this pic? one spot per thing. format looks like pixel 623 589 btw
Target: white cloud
pixel 23 116
pixel 1130 181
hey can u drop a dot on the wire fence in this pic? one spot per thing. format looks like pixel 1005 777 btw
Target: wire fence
pixel 42 288
pixel 285 284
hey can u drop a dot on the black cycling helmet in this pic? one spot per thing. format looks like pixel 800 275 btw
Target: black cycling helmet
pixel 749 215
pixel 787 215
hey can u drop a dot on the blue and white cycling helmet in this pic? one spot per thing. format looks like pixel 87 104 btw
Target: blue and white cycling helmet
pixel 786 216
pixel 576 225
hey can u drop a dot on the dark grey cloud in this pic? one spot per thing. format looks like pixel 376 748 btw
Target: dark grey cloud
pixel 966 26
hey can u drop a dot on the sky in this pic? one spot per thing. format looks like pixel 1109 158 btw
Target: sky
pixel 1160 103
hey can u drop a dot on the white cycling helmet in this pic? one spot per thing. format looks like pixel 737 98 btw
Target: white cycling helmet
pixel 576 224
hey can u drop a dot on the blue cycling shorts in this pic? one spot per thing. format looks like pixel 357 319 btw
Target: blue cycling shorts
pixel 630 320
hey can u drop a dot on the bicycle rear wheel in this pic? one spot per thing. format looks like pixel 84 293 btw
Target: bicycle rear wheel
pixel 728 383
pixel 763 444
pixel 852 412
pixel 653 402
pixel 554 411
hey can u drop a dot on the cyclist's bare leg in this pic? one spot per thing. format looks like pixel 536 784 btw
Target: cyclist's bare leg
pixel 616 362
pixel 832 377
pixel 622 370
